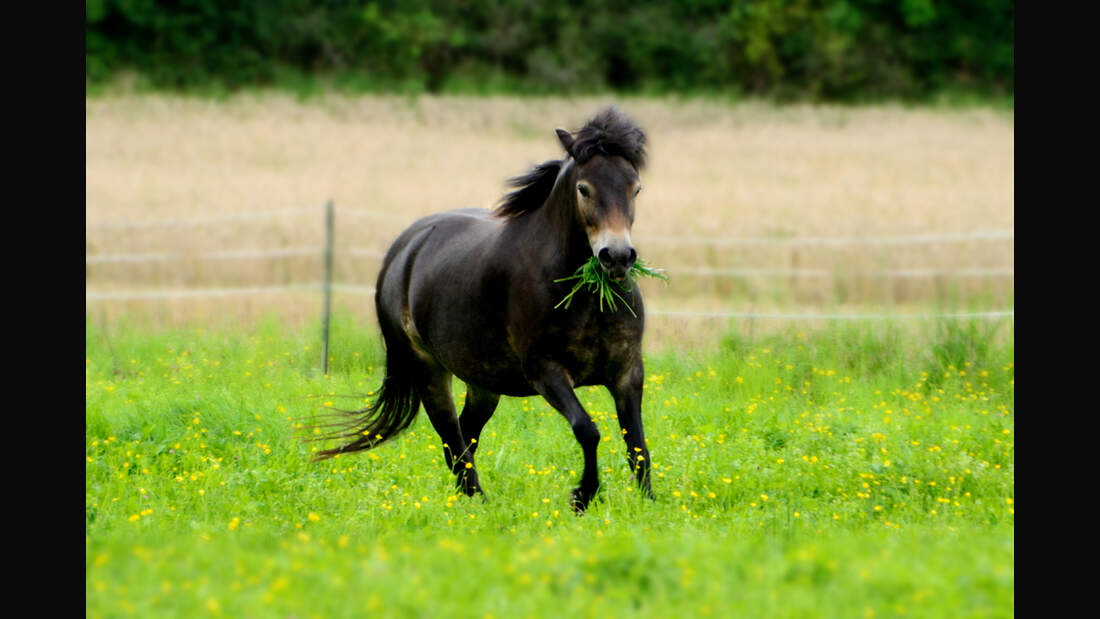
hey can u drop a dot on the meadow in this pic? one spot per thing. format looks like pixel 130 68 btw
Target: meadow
pixel 845 471
pixel 803 468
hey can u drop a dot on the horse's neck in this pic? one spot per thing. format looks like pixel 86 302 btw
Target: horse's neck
pixel 555 228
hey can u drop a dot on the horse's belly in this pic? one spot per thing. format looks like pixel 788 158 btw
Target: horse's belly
pixel 485 361
pixel 516 386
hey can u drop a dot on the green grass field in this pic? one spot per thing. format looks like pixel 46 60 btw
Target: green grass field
pixel 848 471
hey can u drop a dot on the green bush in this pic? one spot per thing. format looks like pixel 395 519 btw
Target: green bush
pixel 840 50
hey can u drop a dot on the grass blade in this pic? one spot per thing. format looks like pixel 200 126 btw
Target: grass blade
pixel 591 274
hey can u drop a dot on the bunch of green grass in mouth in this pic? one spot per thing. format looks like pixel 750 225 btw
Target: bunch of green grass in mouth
pixel 592 275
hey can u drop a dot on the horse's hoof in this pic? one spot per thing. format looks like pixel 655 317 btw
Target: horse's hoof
pixel 468 483
pixel 578 501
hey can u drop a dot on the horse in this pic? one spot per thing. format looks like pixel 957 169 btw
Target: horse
pixel 471 293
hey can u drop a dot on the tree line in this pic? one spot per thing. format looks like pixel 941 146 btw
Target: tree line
pixel 832 50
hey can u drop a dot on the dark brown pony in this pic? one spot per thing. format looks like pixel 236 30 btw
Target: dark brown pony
pixel 471 293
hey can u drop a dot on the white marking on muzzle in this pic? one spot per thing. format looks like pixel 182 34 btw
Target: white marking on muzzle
pixel 607 237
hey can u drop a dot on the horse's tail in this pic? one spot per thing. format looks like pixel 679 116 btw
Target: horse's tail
pixel 393 411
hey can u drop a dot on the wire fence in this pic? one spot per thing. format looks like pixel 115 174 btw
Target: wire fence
pixel 318 250
pixel 888 239
pixel 895 239
pixel 369 291
pixel 688 270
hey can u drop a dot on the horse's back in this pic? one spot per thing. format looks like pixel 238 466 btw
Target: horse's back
pixel 450 224
pixel 435 253
pixel 444 285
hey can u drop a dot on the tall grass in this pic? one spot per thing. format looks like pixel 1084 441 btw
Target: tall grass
pixel 846 471
pixel 716 171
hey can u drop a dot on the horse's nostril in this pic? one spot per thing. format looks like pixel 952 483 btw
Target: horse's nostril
pixel 604 256
pixel 632 257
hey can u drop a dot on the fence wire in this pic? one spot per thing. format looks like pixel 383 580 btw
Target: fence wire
pixel 92 296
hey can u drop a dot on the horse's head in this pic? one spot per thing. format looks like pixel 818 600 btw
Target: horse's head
pixel 608 153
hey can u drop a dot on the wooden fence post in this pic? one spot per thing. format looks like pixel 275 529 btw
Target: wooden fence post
pixel 327 287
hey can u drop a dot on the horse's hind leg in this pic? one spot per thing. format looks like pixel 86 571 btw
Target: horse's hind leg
pixel 435 393
pixel 479 407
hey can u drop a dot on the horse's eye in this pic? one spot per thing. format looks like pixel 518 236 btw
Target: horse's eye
pixel 637 189
pixel 583 189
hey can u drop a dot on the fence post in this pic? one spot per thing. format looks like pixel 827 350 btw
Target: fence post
pixel 327 287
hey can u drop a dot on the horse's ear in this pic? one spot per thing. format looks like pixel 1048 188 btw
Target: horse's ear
pixel 566 140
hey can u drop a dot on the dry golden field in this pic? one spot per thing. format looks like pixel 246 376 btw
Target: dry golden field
pixel 768 196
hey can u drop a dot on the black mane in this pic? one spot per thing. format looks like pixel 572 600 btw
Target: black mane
pixel 534 188
pixel 610 133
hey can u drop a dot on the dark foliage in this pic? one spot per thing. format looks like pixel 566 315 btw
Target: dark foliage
pixel 787 49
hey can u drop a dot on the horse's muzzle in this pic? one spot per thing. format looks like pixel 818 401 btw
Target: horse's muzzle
pixel 617 260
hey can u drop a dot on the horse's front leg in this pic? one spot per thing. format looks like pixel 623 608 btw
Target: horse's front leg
pixel 554 384
pixel 627 392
